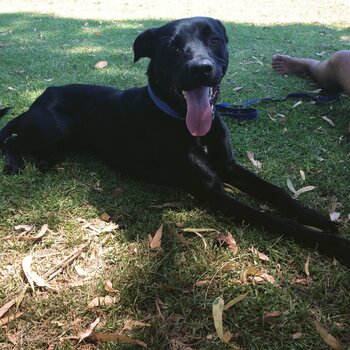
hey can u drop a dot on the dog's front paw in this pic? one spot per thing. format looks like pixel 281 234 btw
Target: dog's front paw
pixel 11 170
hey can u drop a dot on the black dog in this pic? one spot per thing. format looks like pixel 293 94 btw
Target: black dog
pixel 167 132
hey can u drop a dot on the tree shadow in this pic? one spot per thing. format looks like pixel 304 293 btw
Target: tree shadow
pixel 37 51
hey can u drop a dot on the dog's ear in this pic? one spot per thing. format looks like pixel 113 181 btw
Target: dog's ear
pixel 145 44
pixel 222 27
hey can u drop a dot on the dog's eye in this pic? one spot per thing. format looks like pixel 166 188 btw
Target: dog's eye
pixel 214 41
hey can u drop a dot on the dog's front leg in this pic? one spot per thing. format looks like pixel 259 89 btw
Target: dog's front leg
pixel 221 157
pixel 203 182
pixel 255 186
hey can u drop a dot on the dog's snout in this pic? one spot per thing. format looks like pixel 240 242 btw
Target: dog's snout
pixel 203 66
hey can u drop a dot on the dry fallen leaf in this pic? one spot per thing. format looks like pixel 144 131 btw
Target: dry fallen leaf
pixel 235 300
pixel 101 301
pixel 12 339
pixel 228 266
pixel 6 307
pixel 327 337
pixel 306 267
pixel 302 190
pixel 105 217
pixel 227 241
pixel 255 162
pixel 156 240
pixel 271 316
pixel 109 287
pixel 114 337
pixel 218 309
pixel 194 230
pixel 37 237
pixel 297 335
pixel 302 174
pixel 80 271
pixel 32 276
pixel 89 330
pixel 255 274
pixel 201 283
pixel 101 64
pixel 264 277
pixel 5 320
pixel 297 104
pixel 334 216
pixel 291 186
pixel 169 205
pixel 329 121
pixel 260 255
pixel 130 324
pixel 25 228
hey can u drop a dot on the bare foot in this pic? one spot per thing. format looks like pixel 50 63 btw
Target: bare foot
pixel 283 64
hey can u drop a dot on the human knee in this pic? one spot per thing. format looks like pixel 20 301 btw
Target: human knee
pixel 339 59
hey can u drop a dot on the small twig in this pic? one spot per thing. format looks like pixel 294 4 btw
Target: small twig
pixel 52 273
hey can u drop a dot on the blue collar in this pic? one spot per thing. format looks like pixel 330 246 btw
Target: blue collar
pixel 164 106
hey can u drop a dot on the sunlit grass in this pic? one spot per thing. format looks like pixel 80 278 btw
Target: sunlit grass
pixel 171 289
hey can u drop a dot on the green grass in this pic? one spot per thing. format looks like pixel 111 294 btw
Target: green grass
pixel 37 51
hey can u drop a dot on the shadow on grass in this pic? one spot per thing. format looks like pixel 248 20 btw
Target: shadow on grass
pixel 39 51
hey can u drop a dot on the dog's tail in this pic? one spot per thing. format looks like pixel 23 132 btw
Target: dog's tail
pixel 3 111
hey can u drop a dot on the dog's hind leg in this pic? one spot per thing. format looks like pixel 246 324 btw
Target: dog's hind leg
pixel 39 132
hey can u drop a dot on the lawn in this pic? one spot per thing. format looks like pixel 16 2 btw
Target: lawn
pixel 86 228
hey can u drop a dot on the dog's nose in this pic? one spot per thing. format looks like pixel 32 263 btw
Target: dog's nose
pixel 204 66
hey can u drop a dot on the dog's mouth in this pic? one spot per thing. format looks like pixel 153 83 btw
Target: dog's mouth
pixel 200 104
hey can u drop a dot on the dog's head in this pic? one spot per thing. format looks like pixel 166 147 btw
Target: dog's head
pixel 188 60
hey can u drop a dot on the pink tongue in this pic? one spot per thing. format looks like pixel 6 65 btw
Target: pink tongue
pixel 199 113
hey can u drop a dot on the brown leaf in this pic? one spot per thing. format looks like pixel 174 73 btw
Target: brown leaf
pixel 235 300
pixel 80 271
pixel 105 217
pixel 217 310
pixel 25 228
pixel 260 255
pixel 201 283
pixel 329 121
pixel 227 241
pixel 302 190
pixel 101 301
pixel 297 335
pixel 327 337
pixel 89 330
pixel 32 276
pixel 334 216
pixel 228 266
pixel 176 344
pixel 255 162
pixel 7 307
pixel 306 267
pixel 114 337
pixel 130 324
pixel 156 240
pixel 37 237
pixel 271 317
pixel 12 339
pixel 5 320
pixel 169 205
pixel 264 277
pixel 203 229
pixel 291 186
pixel 109 287
pixel 101 64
